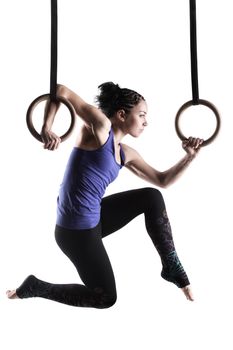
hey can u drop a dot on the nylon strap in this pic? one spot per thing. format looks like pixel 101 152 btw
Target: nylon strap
pixel 53 63
pixel 193 47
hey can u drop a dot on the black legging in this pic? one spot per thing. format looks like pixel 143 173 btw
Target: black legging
pixel 86 250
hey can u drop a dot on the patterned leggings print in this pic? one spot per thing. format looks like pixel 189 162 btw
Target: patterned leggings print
pixel 86 251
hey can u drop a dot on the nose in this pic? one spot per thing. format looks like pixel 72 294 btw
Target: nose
pixel 145 123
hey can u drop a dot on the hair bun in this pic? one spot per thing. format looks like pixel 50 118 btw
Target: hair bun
pixel 112 98
pixel 109 88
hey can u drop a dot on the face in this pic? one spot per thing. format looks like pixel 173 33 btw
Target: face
pixel 136 119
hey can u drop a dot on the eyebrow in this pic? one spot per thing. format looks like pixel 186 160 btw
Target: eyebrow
pixel 142 112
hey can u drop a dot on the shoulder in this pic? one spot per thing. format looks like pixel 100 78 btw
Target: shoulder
pixel 130 154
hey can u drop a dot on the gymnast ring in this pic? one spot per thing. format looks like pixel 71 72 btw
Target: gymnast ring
pixel 189 104
pixel 44 98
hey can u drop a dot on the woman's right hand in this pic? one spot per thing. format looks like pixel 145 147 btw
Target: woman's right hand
pixel 192 145
pixel 50 139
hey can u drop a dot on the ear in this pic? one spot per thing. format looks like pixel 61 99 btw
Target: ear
pixel 121 115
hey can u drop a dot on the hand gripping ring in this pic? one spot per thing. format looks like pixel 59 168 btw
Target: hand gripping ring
pixel 44 98
pixel 189 104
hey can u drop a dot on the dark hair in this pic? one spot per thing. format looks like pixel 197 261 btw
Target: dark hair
pixel 112 98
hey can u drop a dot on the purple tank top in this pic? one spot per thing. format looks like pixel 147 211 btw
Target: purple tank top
pixel 87 175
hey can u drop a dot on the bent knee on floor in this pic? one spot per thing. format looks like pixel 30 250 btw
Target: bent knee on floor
pixel 106 301
pixel 110 302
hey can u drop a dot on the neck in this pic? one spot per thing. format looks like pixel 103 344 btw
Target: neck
pixel 118 133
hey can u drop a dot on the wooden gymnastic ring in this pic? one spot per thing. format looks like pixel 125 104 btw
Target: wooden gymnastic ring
pixel 204 103
pixel 44 98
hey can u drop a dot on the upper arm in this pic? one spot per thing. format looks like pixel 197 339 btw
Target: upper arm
pixel 135 163
pixel 94 117
pixel 91 115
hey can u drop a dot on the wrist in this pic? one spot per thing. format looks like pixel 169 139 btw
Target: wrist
pixel 46 127
pixel 191 155
pixel 189 158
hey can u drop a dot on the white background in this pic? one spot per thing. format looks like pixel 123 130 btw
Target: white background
pixel 143 45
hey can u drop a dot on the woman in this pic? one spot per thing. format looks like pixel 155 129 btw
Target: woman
pixel 84 217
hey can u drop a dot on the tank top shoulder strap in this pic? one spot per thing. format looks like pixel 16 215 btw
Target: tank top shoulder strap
pixel 109 141
pixel 109 144
pixel 122 155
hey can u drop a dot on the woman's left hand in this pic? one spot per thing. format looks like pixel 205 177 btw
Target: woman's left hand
pixel 50 139
pixel 192 145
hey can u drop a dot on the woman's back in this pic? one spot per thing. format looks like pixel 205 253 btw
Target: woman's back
pixel 87 175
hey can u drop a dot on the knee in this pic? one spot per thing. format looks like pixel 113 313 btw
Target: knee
pixel 152 194
pixel 106 301
pixel 110 301
pixel 153 198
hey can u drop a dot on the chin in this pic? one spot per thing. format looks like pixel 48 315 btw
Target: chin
pixel 136 133
pixel 139 133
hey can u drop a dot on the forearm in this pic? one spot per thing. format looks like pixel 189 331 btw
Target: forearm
pixel 51 109
pixel 169 176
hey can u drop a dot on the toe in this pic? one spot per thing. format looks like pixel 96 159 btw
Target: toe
pixel 188 293
pixel 11 294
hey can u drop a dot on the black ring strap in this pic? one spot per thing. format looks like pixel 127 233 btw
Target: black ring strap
pixel 193 48
pixel 194 76
pixel 53 63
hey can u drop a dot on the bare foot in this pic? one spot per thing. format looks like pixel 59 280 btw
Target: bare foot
pixel 188 292
pixel 11 294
